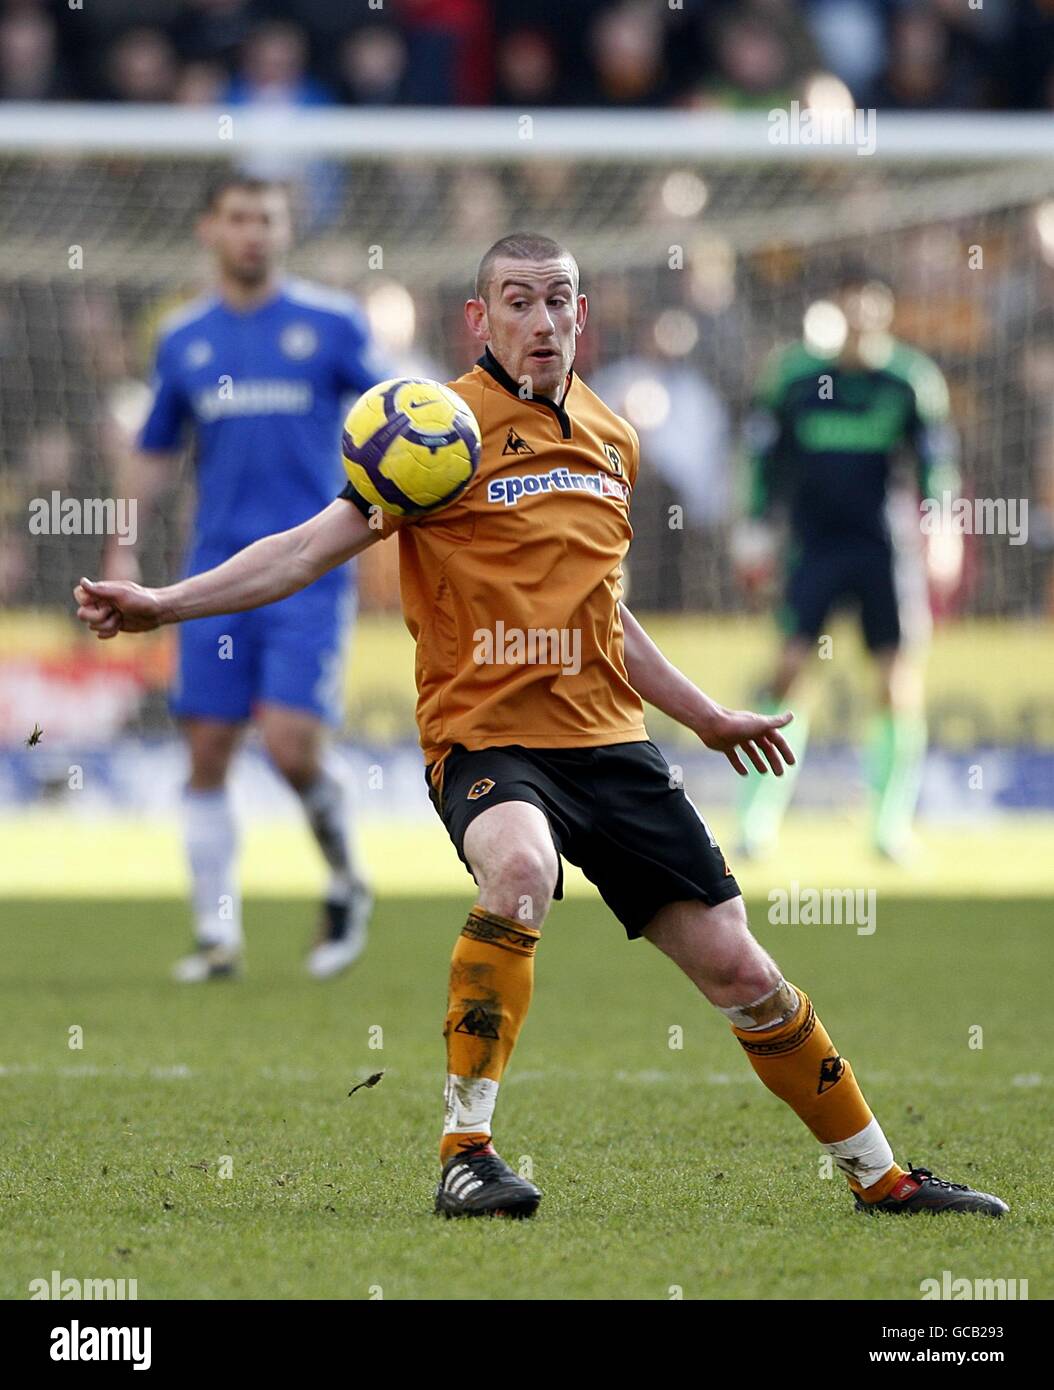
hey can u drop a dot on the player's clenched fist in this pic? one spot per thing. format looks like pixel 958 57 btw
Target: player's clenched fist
pixel 114 606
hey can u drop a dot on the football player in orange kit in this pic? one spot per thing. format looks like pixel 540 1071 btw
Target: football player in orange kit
pixel 532 676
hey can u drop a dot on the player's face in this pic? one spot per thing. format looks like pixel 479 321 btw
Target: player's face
pixel 531 319
pixel 867 308
pixel 248 233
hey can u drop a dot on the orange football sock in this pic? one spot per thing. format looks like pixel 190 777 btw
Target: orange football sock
pixel 491 981
pixel 798 1062
pixel 883 1187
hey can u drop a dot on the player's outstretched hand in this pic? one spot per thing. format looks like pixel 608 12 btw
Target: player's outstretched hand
pixel 736 732
pixel 115 605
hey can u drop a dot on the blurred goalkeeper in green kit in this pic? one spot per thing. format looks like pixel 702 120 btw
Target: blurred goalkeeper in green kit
pixel 835 422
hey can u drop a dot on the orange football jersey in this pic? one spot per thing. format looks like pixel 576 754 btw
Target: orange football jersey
pixel 511 592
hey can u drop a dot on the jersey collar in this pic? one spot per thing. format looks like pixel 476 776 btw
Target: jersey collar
pixel 275 297
pixel 493 367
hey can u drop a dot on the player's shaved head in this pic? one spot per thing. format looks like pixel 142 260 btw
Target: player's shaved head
pixel 522 246
pixel 528 310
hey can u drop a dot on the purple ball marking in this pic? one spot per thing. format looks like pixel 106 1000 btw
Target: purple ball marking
pixel 398 424
pixel 464 431
pixel 370 456
pixel 429 440
pixel 389 395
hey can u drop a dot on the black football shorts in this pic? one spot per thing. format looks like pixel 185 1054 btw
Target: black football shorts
pixel 617 812
pixel 863 576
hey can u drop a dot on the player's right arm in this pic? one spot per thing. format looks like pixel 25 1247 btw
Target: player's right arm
pixel 267 570
pixel 145 477
pixel 147 467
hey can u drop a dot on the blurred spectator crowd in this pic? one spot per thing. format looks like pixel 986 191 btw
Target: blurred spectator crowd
pixel 890 54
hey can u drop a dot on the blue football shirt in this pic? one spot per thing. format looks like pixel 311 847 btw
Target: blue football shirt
pixel 265 393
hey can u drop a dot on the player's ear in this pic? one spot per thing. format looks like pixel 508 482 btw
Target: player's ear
pixel 582 313
pixel 476 318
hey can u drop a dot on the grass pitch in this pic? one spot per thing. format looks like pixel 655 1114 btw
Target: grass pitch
pixel 666 1171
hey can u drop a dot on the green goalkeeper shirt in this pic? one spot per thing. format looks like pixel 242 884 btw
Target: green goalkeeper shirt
pixel 823 441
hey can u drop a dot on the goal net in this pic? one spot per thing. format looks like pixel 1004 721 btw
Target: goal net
pixel 701 245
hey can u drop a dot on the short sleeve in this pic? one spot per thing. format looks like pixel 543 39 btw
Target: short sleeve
pixel 388 524
pixel 933 435
pixel 633 462
pixel 169 411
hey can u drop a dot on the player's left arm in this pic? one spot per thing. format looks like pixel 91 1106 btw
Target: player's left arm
pixel 732 732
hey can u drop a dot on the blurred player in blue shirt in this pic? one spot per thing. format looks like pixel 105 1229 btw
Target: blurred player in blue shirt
pixel 260 372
